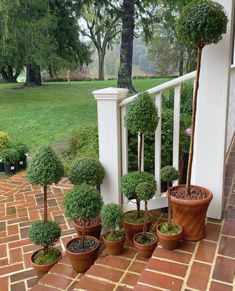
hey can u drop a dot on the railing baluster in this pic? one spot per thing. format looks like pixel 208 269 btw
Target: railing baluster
pixel 176 132
pixel 158 102
pixel 124 140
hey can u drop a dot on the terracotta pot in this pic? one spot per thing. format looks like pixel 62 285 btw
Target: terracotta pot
pixel 145 251
pixel 81 262
pixel 169 241
pixel 92 231
pixel 115 247
pixel 131 229
pixel 191 214
pixel 42 269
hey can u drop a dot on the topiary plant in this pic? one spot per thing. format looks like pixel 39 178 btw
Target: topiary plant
pixel 9 156
pixel 4 140
pixel 45 169
pixel 200 23
pixel 22 149
pixel 169 174
pixel 111 217
pixel 86 170
pixel 83 201
pixel 145 191
pixel 44 234
pixel 141 118
pixel 130 181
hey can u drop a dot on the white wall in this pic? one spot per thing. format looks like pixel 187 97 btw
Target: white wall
pixel 231 111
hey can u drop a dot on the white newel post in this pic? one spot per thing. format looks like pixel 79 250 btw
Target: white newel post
pixel 110 140
pixel 210 138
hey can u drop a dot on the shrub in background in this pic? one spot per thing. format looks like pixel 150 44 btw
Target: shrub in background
pixel 22 149
pixel 4 140
pixel 10 156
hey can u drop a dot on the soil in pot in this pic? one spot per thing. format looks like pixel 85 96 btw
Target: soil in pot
pixel 114 242
pixel 169 239
pixel 145 244
pixel 92 226
pixel 189 211
pixel 43 263
pixel 82 257
pixel 133 225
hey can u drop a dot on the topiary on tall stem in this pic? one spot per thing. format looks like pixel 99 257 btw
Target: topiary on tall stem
pixel 45 169
pixel 201 23
pixel 169 174
pixel 141 118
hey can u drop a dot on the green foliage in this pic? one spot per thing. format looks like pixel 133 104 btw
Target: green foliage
pixel 9 156
pixel 111 215
pixel 86 171
pixel 169 174
pixel 83 201
pixel 142 115
pixel 132 217
pixel 165 228
pixel 145 190
pixel 45 168
pixel 44 233
pixel 42 259
pixel 130 181
pixel 202 22
pixel 116 235
pixel 21 148
pixel 4 140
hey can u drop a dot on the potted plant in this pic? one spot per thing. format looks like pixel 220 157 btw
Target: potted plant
pixel 44 170
pixel 169 233
pixel 4 143
pixel 112 217
pixel 134 220
pixel 83 201
pixel 87 171
pixel 10 158
pixel 22 149
pixel 145 242
pixel 44 234
pixel 201 23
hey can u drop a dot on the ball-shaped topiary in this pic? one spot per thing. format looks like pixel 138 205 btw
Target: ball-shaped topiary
pixel 4 140
pixel 146 191
pixel 44 233
pixel 202 22
pixel 83 201
pixel 130 181
pixel 46 168
pixel 10 156
pixel 86 170
pixel 21 148
pixel 169 174
pixel 142 115
pixel 111 215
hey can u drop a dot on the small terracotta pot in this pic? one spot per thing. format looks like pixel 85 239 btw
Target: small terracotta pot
pixel 115 247
pixel 94 231
pixel 169 241
pixel 191 214
pixel 42 269
pixel 145 251
pixel 131 229
pixel 81 262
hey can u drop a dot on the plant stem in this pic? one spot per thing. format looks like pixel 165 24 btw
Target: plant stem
pixel 169 207
pixel 45 203
pixel 83 234
pixel 138 207
pixel 145 217
pixel 191 149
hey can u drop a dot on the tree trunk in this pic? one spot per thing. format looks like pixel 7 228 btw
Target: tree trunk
pixel 128 26
pixel 45 203
pixel 33 76
pixel 181 62
pixel 8 75
pixel 101 55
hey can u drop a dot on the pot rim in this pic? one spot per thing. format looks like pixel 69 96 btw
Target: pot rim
pixel 34 253
pixel 131 223
pixel 169 235
pixel 88 227
pixel 153 243
pixel 79 238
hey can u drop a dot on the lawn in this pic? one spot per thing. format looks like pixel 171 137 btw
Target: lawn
pixel 48 114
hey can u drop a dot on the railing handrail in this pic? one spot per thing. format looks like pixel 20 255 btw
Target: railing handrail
pixel 167 85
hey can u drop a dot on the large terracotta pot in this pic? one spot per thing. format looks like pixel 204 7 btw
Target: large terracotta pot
pixel 81 262
pixel 42 269
pixel 115 247
pixel 191 214
pixel 145 251
pixel 131 229
pixel 92 231
pixel 168 241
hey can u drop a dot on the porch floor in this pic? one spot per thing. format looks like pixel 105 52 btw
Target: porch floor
pixel 205 265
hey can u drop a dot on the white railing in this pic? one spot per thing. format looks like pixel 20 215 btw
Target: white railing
pixel 157 92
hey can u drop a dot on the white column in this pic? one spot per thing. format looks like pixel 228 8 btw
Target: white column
pixel 210 139
pixel 109 140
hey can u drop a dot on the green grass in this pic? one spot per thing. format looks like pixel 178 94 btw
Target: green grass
pixel 47 115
